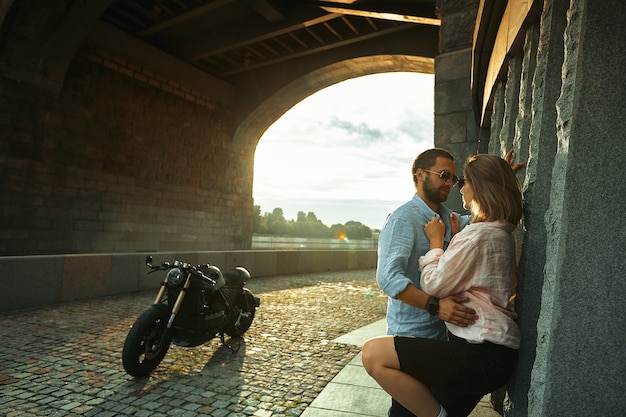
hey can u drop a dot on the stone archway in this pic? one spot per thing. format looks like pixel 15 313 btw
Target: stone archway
pixel 252 127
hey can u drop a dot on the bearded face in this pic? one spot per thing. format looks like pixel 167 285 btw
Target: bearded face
pixel 436 191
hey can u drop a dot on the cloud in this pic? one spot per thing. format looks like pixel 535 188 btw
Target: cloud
pixel 350 147
pixel 361 131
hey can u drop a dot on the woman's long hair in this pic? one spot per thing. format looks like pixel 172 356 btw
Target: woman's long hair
pixel 497 192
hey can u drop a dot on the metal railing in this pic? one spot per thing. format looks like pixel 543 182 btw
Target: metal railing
pixel 262 242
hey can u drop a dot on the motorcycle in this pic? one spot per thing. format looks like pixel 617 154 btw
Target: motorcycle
pixel 194 304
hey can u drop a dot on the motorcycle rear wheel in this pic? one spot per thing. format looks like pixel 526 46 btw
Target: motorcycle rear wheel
pixel 147 343
pixel 244 308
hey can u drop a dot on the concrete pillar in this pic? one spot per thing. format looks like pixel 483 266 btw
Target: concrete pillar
pixel 579 367
pixel 456 129
pixel 535 143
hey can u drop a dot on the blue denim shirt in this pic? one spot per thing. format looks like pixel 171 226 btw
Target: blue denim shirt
pixel 401 243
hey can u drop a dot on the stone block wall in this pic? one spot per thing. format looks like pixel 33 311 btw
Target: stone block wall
pixel 557 100
pixel 456 129
pixel 36 281
pixel 512 126
pixel 455 125
pixel 559 104
pixel 122 159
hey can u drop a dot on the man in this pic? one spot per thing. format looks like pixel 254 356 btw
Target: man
pixel 410 311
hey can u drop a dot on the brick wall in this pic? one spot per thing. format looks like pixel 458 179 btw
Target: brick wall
pixel 120 160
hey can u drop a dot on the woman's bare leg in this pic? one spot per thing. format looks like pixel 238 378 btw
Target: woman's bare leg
pixel 381 362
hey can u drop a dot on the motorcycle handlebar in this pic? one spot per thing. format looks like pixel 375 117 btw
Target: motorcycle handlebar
pixel 166 265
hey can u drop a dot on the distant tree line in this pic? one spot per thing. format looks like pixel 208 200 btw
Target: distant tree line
pixel 306 225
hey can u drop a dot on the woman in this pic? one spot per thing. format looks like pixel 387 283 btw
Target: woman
pixel 440 378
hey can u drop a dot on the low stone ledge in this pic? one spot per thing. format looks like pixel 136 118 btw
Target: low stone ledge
pixel 36 281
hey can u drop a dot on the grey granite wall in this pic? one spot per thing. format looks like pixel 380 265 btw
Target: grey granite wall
pixel 535 143
pixel 561 106
pixel 580 368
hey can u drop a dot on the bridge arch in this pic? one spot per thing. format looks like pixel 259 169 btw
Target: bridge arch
pixel 251 129
pixel 114 145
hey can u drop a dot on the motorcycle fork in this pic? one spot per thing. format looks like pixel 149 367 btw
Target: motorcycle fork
pixel 161 292
pixel 179 301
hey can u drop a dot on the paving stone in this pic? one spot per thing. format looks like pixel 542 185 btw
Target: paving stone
pixel 65 360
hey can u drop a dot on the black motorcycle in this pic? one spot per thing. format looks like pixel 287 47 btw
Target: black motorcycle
pixel 194 304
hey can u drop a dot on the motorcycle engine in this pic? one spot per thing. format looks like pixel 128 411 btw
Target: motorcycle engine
pixel 231 293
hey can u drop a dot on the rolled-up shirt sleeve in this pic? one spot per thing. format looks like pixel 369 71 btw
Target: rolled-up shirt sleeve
pixel 394 250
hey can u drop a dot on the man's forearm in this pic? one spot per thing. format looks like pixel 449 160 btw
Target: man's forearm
pixel 413 296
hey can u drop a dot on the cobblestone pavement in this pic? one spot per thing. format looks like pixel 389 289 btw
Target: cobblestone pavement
pixel 65 360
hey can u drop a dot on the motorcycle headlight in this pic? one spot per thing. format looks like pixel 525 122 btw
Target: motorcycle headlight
pixel 175 277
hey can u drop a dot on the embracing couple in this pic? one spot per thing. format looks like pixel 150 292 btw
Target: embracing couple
pixel 450 280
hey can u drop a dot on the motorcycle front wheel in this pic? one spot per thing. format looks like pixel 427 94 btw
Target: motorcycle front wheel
pixel 147 343
pixel 243 313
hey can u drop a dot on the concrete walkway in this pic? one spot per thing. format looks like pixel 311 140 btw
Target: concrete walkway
pixel 354 393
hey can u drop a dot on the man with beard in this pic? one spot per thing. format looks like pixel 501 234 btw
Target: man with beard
pixel 410 311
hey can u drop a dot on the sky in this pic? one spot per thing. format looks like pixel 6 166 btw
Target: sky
pixel 345 152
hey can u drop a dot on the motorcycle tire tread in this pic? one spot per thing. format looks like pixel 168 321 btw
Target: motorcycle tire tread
pixel 135 343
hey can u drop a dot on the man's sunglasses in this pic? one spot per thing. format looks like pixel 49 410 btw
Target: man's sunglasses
pixel 446 176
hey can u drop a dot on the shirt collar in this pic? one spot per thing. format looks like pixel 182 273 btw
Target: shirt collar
pixel 444 212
